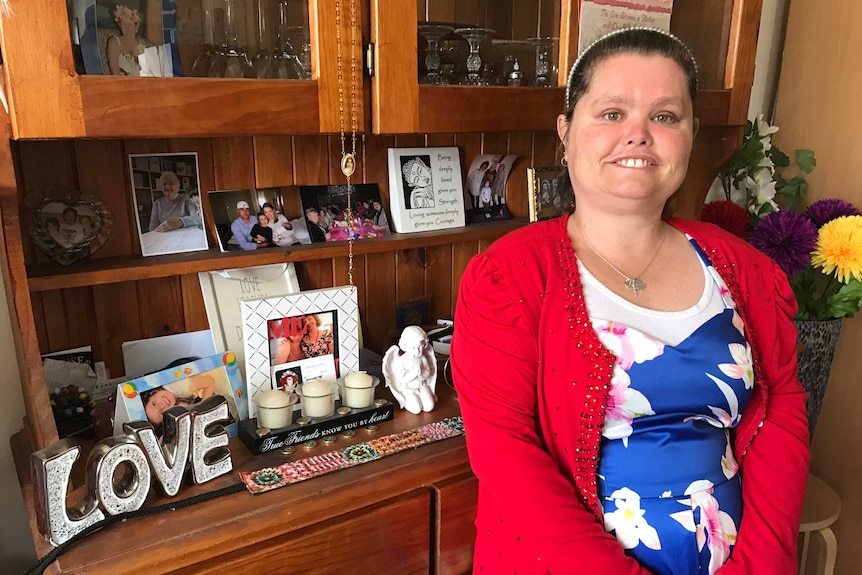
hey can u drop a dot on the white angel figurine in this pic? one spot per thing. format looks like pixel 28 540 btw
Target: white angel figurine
pixel 411 371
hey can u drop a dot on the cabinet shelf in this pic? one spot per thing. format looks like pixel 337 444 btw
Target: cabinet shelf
pixel 503 108
pixel 114 106
pixel 46 277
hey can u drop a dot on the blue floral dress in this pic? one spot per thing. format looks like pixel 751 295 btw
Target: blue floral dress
pixel 668 479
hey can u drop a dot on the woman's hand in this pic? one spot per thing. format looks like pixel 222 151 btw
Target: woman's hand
pixel 169 225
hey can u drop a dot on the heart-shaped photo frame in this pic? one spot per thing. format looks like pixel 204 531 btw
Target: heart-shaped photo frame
pixel 69 227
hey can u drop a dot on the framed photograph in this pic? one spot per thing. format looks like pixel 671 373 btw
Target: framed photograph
pixel 546 197
pixel 146 398
pixel 425 191
pixel 68 227
pixel 118 38
pixel 311 335
pixel 169 215
pixel 485 189
pixel 325 210
pixel 254 219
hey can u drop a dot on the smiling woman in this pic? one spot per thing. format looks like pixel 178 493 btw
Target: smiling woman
pixel 620 350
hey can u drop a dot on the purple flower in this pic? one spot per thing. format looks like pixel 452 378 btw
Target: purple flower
pixel 788 238
pixel 824 211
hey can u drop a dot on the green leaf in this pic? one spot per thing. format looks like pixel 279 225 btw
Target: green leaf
pixel 793 192
pixel 778 157
pixel 806 161
pixel 847 300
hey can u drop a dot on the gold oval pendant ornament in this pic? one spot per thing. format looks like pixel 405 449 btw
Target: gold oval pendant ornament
pixel 348 164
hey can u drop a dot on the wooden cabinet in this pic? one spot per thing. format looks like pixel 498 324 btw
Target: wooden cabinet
pixel 75 132
pixel 721 33
pixel 49 99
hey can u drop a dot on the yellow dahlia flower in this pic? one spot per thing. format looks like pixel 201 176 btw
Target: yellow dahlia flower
pixel 839 248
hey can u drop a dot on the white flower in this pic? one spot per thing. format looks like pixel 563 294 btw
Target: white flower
pixel 628 521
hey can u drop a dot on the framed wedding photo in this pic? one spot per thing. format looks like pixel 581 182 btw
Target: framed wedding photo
pixel 546 196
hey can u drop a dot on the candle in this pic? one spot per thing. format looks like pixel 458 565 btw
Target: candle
pixel 274 409
pixel 358 389
pixel 318 399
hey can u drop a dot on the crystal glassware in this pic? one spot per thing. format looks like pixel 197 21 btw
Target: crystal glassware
pixel 231 60
pixel 432 34
pixel 301 40
pixel 201 66
pixel 546 61
pixel 474 37
pixel 284 64
pixel 260 60
pixel 513 53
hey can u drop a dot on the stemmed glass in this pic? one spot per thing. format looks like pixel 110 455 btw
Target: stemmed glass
pixel 546 61
pixel 261 58
pixel 285 65
pixel 231 60
pixel 474 37
pixel 432 34
pixel 202 64
pixel 300 38
pixel 511 50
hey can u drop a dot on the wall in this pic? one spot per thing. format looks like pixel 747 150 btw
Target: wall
pixel 817 108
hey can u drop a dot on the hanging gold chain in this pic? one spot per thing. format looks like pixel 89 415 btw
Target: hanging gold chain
pixel 348 156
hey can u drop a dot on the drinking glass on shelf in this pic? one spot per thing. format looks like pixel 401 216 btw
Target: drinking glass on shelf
pixel 284 64
pixel 201 66
pixel 231 60
pixel 474 37
pixel 546 61
pixel 260 60
pixel 300 39
pixel 513 53
pixel 432 34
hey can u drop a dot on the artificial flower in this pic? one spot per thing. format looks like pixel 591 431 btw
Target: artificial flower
pixel 788 238
pixel 839 248
pixel 823 211
pixel 727 215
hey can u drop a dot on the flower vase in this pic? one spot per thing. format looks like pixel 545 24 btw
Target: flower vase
pixel 818 341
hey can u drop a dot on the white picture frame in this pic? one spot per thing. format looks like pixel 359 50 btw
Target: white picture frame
pixel 259 314
pixel 425 189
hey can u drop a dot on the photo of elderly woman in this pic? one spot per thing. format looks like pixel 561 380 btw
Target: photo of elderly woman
pixel 170 217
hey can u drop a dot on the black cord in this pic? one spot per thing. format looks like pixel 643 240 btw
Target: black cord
pixel 39 567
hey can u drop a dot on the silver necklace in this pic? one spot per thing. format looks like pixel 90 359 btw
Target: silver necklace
pixel 633 283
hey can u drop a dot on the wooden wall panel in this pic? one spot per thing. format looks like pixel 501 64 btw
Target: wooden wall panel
pixel 375 164
pixel 410 274
pixel 311 160
pixel 380 293
pixel 117 317
pixel 233 163
pixel 438 281
pixel 161 302
pixel 103 171
pixel 461 254
pixel 79 316
pixel 273 161
pixel 525 18
pixel 39 321
pixel 545 149
pixel 54 309
pixel 194 311
pixel 521 145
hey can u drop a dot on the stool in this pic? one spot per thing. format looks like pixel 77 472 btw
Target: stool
pixel 819 511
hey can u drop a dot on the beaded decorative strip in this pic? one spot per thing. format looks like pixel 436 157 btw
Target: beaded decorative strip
pixel 270 478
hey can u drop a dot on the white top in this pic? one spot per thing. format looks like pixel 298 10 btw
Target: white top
pixel 670 327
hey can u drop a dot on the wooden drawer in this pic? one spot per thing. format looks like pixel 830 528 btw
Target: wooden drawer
pixel 455 531
pixel 390 538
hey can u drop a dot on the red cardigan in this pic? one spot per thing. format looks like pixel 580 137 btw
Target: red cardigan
pixel 533 378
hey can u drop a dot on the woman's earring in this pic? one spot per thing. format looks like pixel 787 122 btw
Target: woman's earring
pixel 564 162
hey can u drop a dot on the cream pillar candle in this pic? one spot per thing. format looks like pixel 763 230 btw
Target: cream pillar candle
pixel 358 390
pixel 318 398
pixel 274 409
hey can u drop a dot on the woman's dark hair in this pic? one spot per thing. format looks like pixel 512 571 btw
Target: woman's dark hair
pixel 642 41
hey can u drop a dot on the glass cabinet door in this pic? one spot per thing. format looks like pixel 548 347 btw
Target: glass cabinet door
pixel 113 68
pixel 476 65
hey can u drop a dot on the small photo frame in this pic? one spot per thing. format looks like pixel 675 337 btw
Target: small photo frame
pixel 546 196
pixel 485 188
pixel 168 208
pixel 278 338
pixel 325 210
pixel 146 398
pixel 68 227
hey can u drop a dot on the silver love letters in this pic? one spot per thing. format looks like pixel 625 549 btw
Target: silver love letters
pixel 120 468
